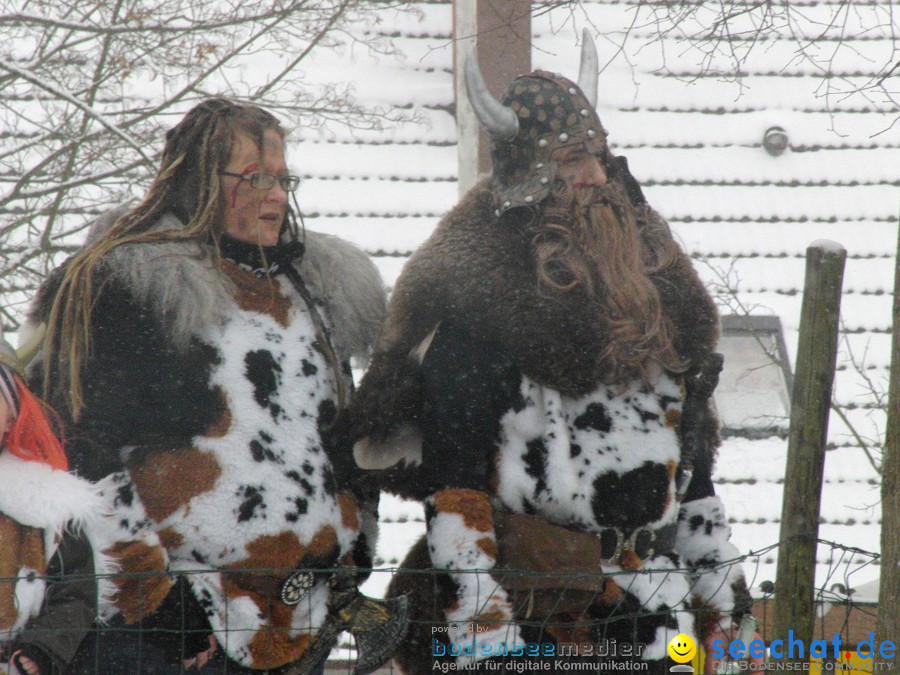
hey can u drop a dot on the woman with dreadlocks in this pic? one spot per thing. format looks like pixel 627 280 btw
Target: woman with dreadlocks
pixel 47 521
pixel 199 344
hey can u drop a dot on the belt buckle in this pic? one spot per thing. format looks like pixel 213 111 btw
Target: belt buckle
pixel 296 586
pixel 632 542
pixel 620 542
pixel 640 539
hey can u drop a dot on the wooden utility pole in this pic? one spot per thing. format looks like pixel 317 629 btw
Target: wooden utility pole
pixel 810 404
pixel 888 626
pixel 499 32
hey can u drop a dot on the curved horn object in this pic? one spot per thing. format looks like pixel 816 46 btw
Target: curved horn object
pixel 588 70
pixel 501 122
pixel 32 346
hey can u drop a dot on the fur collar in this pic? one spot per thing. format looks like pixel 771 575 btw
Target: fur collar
pixel 482 273
pixel 186 290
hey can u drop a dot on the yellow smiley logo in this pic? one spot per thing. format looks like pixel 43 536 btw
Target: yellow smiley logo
pixel 682 648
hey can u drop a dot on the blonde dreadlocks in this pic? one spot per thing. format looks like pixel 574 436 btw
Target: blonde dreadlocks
pixel 187 183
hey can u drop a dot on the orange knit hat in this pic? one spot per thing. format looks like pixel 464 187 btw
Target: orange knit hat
pixel 31 435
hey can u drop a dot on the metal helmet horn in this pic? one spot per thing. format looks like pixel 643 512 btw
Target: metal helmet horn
pixel 539 113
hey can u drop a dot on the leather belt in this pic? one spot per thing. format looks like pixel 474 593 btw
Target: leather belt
pixel 535 554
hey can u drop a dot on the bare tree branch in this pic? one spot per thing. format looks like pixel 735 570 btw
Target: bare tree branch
pixel 89 89
pixel 725 288
pixel 62 94
pixel 850 49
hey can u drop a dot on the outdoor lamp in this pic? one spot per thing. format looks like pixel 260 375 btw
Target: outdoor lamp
pixel 775 141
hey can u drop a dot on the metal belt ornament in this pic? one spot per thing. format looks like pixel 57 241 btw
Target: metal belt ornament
pixel 613 543
pixel 296 586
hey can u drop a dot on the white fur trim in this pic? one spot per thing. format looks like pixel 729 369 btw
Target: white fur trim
pixel 30 591
pixel 36 495
pixel 454 547
pixel 120 523
pixel 237 619
pixel 661 588
pixel 703 542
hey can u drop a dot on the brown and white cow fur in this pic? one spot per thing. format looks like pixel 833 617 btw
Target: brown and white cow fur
pixel 243 480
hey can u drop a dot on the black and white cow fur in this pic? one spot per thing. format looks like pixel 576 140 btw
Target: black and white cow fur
pixel 208 409
pixel 486 395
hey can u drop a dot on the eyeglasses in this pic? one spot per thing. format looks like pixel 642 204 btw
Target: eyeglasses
pixel 266 181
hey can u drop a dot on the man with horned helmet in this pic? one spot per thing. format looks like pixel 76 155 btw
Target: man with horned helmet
pixel 542 384
pixel 199 345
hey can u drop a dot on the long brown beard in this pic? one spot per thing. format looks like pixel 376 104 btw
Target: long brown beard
pixel 592 241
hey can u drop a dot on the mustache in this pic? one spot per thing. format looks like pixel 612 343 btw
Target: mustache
pixel 587 195
pixel 608 204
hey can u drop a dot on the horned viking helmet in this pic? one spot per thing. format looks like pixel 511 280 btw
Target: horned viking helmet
pixel 539 113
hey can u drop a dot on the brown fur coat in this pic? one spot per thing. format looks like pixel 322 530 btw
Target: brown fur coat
pixel 483 273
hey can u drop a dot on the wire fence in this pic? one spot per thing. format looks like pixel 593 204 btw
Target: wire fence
pixel 570 620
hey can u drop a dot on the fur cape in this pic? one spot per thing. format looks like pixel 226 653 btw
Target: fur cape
pixel 188 292
pixel 477 270
pixel 181 284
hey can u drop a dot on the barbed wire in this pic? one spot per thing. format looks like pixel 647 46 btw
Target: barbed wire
pixel 544 616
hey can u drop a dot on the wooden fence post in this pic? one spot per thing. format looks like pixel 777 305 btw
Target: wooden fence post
pixel 888 627
pixel 810 403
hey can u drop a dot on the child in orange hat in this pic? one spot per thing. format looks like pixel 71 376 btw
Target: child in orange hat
pixel 46 516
